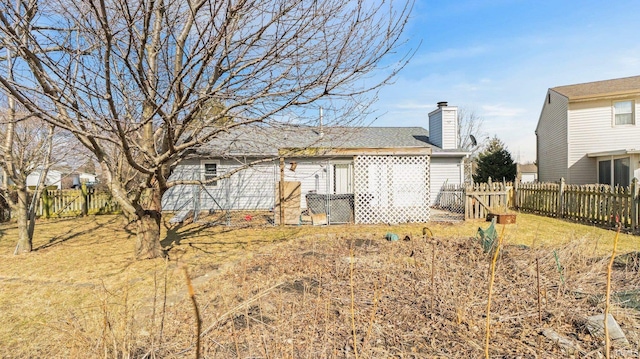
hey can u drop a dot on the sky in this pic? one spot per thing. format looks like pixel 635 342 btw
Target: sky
pixel 497 58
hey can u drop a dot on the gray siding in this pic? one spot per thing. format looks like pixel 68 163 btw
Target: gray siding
pixel 551 136
pixel 249 189
pixel 181 196
pixel 444 170
pixel 592 129
pixel 435 128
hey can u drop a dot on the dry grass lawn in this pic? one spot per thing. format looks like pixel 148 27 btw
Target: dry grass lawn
pixel 275 292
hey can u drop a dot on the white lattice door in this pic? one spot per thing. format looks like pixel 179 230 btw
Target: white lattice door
pixel 391 189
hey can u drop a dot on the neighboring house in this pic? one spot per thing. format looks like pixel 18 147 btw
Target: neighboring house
pixel 75 179
pixel 393 174
pixel 527 172
pixel 589 133
pixel 61 178
pixel 54 178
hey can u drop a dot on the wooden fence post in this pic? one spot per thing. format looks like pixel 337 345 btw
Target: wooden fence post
pixel 281 184
pixel 85 199
pixel 516 201
pixel 560 204
pixel 46 204
pixel 634 204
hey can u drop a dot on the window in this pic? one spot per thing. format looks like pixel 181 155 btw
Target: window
pixel 623 112
pixel 621 172
pixel 604 172
pixel 617 175
pixel 210 172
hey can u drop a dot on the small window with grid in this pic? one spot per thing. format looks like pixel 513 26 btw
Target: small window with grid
pixel 210 172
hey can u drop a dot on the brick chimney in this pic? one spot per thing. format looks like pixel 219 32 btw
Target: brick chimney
pixel 443 126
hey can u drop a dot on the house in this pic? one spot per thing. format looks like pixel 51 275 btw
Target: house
pixel 54 178
pixel 389 174
pixel 527 172
pixel 61 177
pixel 589 133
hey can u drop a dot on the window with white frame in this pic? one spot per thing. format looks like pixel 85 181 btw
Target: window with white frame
pixel 623 112
pixel 209 172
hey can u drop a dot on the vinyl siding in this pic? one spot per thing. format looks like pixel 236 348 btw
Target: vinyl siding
pixel 551 135
pixel 435 128
pixel 592 129
pixel 249 189
pixel 181 196
pixel 313 175
pixel 444 170
pixel 449 128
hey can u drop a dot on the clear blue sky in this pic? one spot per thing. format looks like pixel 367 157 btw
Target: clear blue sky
pixel 499 57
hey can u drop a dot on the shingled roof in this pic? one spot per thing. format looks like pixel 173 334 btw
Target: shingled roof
pixel 267 140
pixel 622 86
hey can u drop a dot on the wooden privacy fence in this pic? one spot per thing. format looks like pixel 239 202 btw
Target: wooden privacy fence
pixel 475 200
pixel 593 204
pixel 74 202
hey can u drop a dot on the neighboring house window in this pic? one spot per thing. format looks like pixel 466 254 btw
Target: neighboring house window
pixel 623 113
pixel 614 173
pixel 210 171
pixel 604 172
pixel 621 172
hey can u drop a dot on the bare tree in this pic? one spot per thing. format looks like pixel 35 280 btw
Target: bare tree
pixel 27 148
pixel 472 138
pixel 133 79
pixel 470 131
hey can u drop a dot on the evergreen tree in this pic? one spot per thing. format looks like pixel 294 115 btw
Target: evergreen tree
pixel 495 162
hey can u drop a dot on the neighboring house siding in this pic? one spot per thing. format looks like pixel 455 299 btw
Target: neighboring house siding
pixel 592 129
pixel 552 139
pixel 54 178
pixel 444 170
pixel 528 177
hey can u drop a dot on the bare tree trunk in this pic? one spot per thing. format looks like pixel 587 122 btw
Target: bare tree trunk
pixel 148 235
pixel 24 239
pixel 148 221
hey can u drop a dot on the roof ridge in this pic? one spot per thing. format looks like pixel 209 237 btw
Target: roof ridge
pixel 598 81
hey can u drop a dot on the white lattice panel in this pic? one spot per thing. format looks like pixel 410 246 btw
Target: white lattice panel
pixel 391 189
